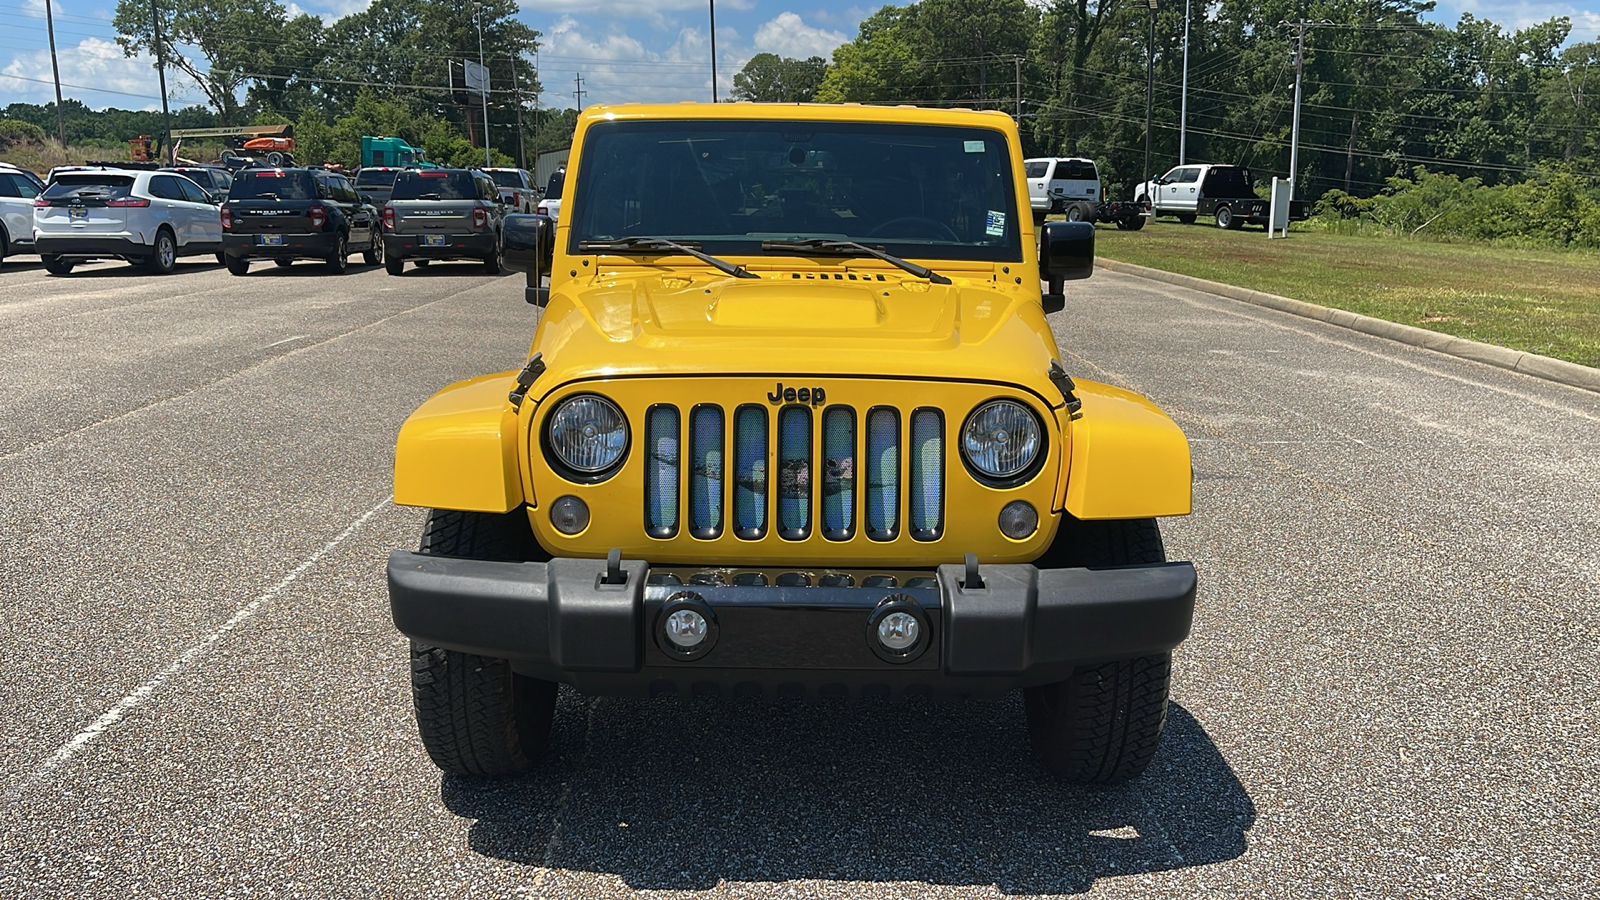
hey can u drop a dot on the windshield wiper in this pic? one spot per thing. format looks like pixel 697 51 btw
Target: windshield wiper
pixel 655 243
pixel 851 248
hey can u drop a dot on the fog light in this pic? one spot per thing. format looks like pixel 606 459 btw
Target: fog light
pixel 1019 520
pixel 569 515
pixel 686 629
pixel 898 631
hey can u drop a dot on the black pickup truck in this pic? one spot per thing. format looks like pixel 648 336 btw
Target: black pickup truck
pixel 1223 192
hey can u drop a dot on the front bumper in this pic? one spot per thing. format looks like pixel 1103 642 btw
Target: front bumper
pixel 314 245
pixel 474 245
pixel 560 621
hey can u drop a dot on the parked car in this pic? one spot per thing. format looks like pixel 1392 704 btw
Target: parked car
pixel 436 214
pixel 1224 192
pixel 299 213
pixel 793 423
pixel 147 218
pixel 517 193
pixel 374 183
pixel 550 203
pixel 18 188
pixel 215 179
pixel 1065 185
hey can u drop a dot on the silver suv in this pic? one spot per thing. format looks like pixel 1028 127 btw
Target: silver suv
pixel 438 214
pixel 146 218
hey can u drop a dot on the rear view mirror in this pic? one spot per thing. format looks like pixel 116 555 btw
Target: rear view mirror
pixel 1066 253
pixel 529 248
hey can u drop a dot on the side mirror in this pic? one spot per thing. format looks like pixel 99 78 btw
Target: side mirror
pixel 1066 253
pixel 529 248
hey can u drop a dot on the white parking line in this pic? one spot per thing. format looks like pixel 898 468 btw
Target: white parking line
pixel 115 714
pixel 285 341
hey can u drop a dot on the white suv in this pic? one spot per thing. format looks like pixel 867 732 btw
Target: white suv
pixel 147 218
pixel 18 187
pixel 1062 185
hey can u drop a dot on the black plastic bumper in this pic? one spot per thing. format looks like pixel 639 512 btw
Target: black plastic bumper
pixel 475 245
pixel 72 245
pixel 314 245
pixel 561 622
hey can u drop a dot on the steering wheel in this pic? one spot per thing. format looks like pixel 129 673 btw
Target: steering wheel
pixel 932 228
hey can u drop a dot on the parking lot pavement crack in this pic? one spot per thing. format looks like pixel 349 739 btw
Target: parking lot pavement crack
pixel 291 351
pixel 554 843
pixel 139 695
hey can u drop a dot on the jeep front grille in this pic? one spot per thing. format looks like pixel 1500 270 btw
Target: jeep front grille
pixel 808 491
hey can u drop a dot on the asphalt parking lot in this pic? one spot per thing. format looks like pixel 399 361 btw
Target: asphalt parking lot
pixel 1391 688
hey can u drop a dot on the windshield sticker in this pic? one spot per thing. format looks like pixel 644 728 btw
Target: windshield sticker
pixel 973 146
pixel 995 223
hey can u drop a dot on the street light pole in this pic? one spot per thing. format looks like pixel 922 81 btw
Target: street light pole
pixel 1183 105
pixel 483 86
pixel 1150 86
pixel 713 4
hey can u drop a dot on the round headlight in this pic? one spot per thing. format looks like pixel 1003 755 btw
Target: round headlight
pixel 1001 439
pixel 588 434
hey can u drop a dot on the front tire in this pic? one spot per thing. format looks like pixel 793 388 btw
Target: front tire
pixel 1102 725
pixel 373 255
pixel 475 714
pixel 491 263
pixel 163 255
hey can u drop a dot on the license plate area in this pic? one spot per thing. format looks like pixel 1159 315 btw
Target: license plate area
pixel 269 240
pixel 77 212
pixel 433 240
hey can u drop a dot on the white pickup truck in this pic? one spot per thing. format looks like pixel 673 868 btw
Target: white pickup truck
pixel 1225 192
pixel 1064 185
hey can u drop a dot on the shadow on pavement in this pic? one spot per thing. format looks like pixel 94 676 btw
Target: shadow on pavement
pixel 682 795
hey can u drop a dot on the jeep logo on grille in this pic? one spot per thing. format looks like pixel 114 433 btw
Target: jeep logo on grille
pixel 815 396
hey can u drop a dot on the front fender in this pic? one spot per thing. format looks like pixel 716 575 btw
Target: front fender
pixel 1129 460
pixel 459 449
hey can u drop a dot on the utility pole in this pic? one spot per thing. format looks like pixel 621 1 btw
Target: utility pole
pixel 161 70
pixel 1299 70
pixel 580 91
pixel 1183 105
pixel 1018 61
pixel 55 70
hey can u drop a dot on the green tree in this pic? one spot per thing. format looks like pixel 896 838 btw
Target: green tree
pixel 769 78
pixel 235 39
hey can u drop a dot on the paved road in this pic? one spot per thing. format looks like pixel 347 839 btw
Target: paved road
pixel 1391 690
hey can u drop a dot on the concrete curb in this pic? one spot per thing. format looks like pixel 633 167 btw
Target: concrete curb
pixel 1556 370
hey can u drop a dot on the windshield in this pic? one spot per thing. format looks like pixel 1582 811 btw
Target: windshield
pixel 271 184
pixel 914 190
pixel 376 177
pixel 437 184
pixel 507 179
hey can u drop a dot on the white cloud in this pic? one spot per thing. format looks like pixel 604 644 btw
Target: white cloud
pixel 96 73
pixel 789 35
pixel 618 68
pixel 1515 15
pixel 626 8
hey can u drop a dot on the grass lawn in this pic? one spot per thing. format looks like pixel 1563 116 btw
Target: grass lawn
pixel 1541 301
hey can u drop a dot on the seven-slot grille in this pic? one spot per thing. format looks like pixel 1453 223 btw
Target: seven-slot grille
pixel 831 470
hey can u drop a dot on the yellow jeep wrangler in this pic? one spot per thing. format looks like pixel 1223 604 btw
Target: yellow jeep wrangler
pixel 793 424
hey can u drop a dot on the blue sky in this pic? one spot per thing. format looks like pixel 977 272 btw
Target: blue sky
pixel 651 50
